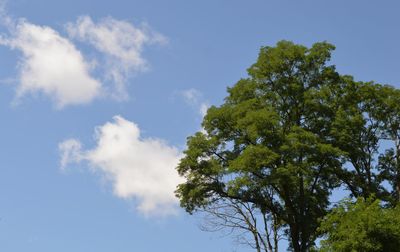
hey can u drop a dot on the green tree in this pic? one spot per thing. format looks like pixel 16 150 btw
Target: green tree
pixel 361 226
pixel 268 145
pixel 385 106
pixel 283 139
pixel 366 128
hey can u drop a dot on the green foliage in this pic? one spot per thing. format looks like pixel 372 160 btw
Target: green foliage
pixel 264 144
pixel 288 135
pixel 361 226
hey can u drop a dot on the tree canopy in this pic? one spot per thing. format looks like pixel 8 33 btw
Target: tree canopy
pixel 361 226
pixel 284 138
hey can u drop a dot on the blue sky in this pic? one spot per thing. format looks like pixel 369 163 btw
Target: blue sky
pixel 98 97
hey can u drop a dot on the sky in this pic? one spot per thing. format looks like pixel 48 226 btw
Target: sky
pixel 97 99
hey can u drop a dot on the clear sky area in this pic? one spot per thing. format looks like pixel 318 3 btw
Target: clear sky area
pixel 97 99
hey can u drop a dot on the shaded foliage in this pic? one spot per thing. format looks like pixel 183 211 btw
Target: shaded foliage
pixel 363 225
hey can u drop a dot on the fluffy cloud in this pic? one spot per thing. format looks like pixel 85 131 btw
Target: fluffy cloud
pixel 51 65
pixel 137 168
pixel 121 42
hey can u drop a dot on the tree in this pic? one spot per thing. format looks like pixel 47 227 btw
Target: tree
pixel 363 225
pixel 243 220
pixel 267 145
pixel 366 128
pixel 284 139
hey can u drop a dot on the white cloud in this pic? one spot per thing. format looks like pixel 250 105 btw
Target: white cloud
pixel 71 150
pixel 4 18
pixel 137 168
pixel 194 98
pixel 51 65
pixel 121 42
pixel 191 96
pixel 204 106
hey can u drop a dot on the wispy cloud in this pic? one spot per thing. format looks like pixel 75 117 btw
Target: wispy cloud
pixel 138 168
pixel 194 98
pixel 120 42
pixel 5 18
